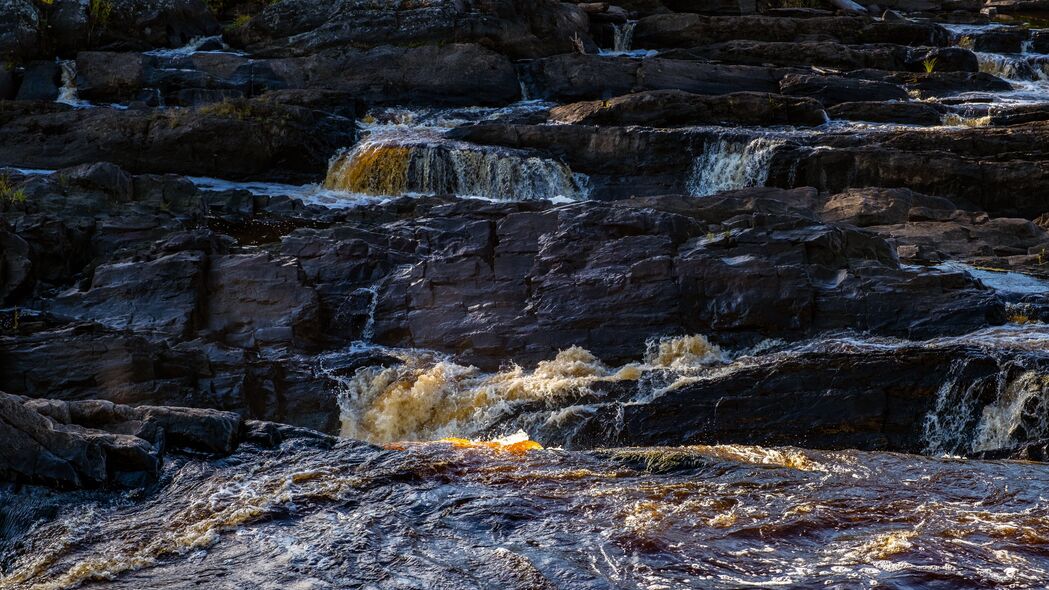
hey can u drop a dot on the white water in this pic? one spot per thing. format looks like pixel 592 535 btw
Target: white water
pixel 309 194
pixel 192 47
pixel 399 160
pixel 1003 281
pixel 732 164
pixel 623 36
pixel 67 94
pixel 1021 413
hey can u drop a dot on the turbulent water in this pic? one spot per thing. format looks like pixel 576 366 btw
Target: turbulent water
pixel 729 163
pixel 450 515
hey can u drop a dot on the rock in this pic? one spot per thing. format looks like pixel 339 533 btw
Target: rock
pixel 193 428
pixel 687 265
pixel 15 264
pixel 19 31
pixel 997 40
pixel 928 85
pixel 670 108
pixel 911 113
pixel 159 296
pixel 690 30
pixel 832 90
pixel 256 300
pixel 871 399
pixel 831 55
pixel 586 77
pixel 39 451
pixel 146 24
pixel 40 82
pixel 266 137
pixel 520 29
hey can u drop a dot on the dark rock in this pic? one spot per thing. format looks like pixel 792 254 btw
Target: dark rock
pixel 163 295
pixel 19 31
pixel 671 108
pixel 146 24
pixel 587 77
pixel 832 90
pixel 871 399
pixel 256 300
pixel 690 30
pixel 935 84
pixel 266 137
pixel 912 113
pixel 40 81
pixel 517 28
pixel 15 264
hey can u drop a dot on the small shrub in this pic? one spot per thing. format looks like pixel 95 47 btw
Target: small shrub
pixel 929 65
pixel 229 109
pixel 9 193
pixel 578 42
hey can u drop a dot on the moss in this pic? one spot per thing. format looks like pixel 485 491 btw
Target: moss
pixel 374 170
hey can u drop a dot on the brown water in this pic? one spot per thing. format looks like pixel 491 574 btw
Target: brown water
pixel 436 515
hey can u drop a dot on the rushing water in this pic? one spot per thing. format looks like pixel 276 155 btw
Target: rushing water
pixel 729 163
pixel 455 515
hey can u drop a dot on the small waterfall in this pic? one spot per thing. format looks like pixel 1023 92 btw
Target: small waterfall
pixel 731 164
pixel 1020 414
pixel 67 94
pixel 964 421
pixel 623 36
pixel 1009 67
pixel 368 332
pixel 424 163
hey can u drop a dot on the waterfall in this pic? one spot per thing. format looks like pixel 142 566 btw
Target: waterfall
pixel 1020 414
pixel 623 36
pixel 1010 67
pixel 731 164
pixel 67 94
pixel 424 163
pixel 963 421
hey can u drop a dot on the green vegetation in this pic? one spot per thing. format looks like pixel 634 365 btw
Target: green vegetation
pixel 230 109
pixel 100 11
pixel 9 193
pixel 929 65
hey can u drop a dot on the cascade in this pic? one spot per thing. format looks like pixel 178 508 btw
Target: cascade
pixel 731 164
pixel 67 94
pixel 623 36
pixel 422 162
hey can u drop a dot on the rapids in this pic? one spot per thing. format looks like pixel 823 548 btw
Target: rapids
pixel 442 515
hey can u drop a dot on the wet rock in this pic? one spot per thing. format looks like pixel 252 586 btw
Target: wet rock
pixel 911 113
pixel 517 28
pixel 670 108
pixel 869 399
pixel 997 40
pixel 146 24
pixel 687 266
pixel 927 85
pixel 832 90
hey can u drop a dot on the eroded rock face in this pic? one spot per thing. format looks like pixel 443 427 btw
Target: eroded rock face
pixel 517 28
